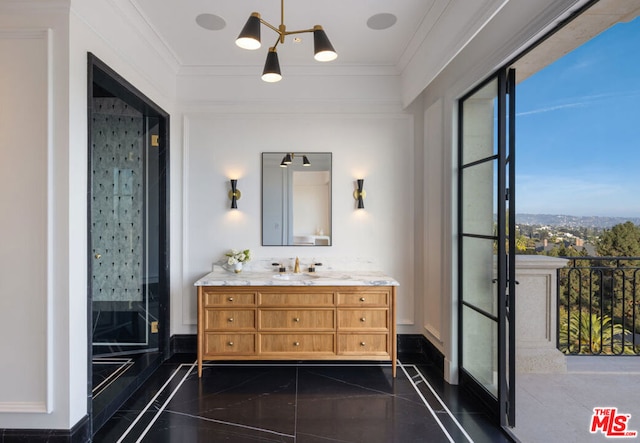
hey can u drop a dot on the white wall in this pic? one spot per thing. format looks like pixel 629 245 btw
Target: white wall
pixel 35 383
pixel 24 179
pixel 376 147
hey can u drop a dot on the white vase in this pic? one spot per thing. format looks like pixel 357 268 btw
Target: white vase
pixel 237 267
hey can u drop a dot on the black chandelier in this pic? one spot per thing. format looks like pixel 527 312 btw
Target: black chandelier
pixel 249 38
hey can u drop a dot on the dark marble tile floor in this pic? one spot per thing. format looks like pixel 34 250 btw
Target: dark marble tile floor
pixel 106 371
pixel 298 402
pixel 115 379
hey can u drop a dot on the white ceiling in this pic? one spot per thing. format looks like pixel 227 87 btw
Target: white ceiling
pixel 345 22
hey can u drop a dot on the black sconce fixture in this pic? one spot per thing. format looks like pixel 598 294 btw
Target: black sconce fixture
pixel 234 194
pixel 288 159
pixel 360 194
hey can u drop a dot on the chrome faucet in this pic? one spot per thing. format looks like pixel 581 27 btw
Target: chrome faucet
pixel 296 269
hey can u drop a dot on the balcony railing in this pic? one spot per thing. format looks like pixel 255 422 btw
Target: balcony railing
pixel 599 306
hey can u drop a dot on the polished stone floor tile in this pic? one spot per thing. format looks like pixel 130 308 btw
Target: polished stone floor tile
pixel 361 405
pixel 293 402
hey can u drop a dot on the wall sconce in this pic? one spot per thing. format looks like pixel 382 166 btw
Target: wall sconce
pixel 234 194
pixel 360 194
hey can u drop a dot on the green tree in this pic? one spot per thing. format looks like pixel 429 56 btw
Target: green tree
pixel 522 243
pixel 621 240
pixel 586 333
pixel 621 281
pixel 561 250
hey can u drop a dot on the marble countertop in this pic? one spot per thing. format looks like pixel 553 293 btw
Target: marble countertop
pixel 320 278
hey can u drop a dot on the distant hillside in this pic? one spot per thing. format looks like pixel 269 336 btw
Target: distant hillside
pixel 572 220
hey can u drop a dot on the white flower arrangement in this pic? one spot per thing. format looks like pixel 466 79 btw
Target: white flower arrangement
pixel 238 256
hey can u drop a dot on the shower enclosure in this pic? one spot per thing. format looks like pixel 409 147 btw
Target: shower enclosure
pixel 128 236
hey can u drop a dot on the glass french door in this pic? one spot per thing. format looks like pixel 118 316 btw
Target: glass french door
pixel 486 262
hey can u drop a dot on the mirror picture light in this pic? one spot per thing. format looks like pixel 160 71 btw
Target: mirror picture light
pixel 360 194
pixel 234 194
pixel 249 38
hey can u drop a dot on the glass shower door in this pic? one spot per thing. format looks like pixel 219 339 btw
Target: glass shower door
pixel 124 228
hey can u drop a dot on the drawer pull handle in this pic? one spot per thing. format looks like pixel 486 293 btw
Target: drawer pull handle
pixel 230 298
pixel 363 344
pixel 363 319
pixel 230 319
pixel 230 343
pixel 296 343
pixel 362 299
pixel 297 319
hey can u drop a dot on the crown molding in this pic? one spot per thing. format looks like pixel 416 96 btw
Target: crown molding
pixel 35 6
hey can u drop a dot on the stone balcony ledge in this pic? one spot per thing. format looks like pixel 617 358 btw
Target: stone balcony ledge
pixel 536 315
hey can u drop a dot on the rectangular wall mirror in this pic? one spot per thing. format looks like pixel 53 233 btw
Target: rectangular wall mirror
pixel 296 199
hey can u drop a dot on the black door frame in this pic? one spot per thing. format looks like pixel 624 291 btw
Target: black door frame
pixel 502 407
pixel 98 70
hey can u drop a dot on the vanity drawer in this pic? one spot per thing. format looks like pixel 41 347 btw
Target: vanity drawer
pixel 296 299
pixel 230 319
pixel 229 298
pixel 297 343
pixel 220 344
pixel 363 344
pixel 364 298
pixel 308 319
pixel 363 319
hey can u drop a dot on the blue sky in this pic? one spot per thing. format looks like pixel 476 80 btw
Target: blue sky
pixel 578 130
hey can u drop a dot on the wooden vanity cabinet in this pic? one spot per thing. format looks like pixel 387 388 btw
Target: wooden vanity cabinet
pixel 296 323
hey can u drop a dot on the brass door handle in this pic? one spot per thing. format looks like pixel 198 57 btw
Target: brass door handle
pixel 362 299
pixel 230 343
pixel 98 256
pixel 363 319
pixel 230 298
pixel 296 343
pixel 362 343
pixel 230 319
pixel 297 319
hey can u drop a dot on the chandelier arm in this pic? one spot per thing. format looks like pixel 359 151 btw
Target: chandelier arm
pixel 281 30
pixel 299 32
pixel 277 41
pixel 282 13
pixel 269 25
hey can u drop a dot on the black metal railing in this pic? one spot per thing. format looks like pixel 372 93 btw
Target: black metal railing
pixel 599 306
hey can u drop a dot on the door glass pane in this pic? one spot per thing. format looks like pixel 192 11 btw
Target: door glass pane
pixel 479 274
pixel 479 131
pixel 479 198
pixel 479 206
pixel 480 348
pixel 122 274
